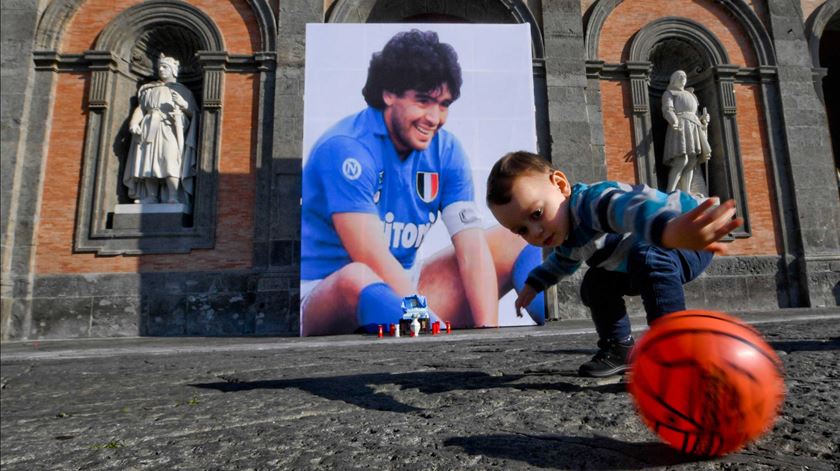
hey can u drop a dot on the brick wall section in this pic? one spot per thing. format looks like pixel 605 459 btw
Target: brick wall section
pixel 616 102
pixel 758 178
pixel 236 184
pixel 234 18
pixel 54 235
pixel 629 17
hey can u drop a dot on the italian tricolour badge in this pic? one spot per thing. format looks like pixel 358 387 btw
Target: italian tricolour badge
pixel 428 185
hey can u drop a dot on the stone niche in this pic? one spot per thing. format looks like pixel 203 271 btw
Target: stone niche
pixel 658 50
pixel 668 56
pixel 111 220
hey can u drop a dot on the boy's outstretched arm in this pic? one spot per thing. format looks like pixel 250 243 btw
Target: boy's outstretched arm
pixel 526 295
pixel 702 227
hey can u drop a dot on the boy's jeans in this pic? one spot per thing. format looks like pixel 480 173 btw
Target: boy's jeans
pixel 655 273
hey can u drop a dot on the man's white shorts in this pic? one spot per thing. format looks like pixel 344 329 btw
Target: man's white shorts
pixel 308 286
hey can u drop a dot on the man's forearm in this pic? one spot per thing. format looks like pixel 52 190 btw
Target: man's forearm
pixel 361 235
pixel 394 275
pixel 475 265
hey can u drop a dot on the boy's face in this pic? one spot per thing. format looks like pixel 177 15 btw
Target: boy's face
pixel 414 117
pixel 538 209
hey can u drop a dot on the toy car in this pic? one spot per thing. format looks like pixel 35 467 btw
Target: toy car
pixel 415 307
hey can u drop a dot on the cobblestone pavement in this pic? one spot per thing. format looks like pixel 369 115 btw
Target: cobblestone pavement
pixel 490 399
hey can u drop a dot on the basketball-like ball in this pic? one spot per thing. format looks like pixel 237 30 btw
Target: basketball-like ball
pixel 705 382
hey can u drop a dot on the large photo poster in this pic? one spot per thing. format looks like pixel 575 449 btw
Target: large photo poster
pixel 402 124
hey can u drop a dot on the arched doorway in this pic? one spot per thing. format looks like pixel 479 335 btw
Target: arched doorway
pixel 829 56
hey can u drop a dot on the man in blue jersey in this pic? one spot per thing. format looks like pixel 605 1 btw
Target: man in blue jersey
pixel 374 185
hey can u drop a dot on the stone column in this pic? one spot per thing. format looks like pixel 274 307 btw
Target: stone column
pixel 571 144
pixel 284 233
pixel 811 168
pixel 639 73
pixel 25 110
pixel 569 120
pixel 277 244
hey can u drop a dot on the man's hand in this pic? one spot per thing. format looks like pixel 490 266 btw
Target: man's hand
pixel 179 100
pixel 524 299
pixel 702 227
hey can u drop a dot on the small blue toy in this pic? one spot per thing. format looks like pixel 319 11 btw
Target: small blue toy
pixel 415 307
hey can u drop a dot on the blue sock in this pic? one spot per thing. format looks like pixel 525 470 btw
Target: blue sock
pixel 529 258
pixel 378 305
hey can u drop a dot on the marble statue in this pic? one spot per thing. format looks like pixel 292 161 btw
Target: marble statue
pixel 686 143
pixel 161 161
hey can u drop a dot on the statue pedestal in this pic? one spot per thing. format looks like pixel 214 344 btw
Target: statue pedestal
pixel 150 217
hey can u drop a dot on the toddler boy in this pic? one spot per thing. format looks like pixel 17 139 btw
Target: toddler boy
pixel 635 239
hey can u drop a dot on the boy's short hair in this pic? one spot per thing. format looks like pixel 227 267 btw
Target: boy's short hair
pixel 506 169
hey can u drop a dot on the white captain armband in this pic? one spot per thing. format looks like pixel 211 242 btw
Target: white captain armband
pixel 460 215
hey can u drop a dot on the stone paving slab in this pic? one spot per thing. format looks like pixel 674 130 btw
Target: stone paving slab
pixel 489 399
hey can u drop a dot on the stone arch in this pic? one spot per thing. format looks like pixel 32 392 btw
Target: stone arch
pixel 53 22
pixel 822 29
pixel 678 28
pixel 175 27
pixel 746 17
pixel 816 26
pixel 132 22
pixel 592 29
pixel 58 14
pixel 488 11
pixel 268 26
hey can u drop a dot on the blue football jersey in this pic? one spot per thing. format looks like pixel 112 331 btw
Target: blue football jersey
pixel 354 168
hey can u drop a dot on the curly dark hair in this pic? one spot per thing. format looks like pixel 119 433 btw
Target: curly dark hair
pixel 506 169
pixel 412 60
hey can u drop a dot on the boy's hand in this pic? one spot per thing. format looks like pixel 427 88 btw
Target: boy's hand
pixel 702 227
pixel 524 299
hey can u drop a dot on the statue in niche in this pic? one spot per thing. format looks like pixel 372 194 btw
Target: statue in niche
pixel 686 142
pixel 161 160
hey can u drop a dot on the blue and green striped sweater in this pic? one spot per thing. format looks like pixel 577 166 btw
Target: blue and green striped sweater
pixel 607 220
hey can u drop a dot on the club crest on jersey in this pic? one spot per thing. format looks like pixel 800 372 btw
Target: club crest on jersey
pixel 351 169
pixel 428 186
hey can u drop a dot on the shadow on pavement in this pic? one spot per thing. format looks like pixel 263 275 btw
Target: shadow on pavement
pixel 565 452
pixel 363 390
pixel 807 345
pixel 569 351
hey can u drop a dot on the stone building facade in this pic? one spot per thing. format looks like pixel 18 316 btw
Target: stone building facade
pixel 71 67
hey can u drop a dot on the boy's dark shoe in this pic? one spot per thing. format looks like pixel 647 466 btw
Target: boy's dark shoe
pixel 611 359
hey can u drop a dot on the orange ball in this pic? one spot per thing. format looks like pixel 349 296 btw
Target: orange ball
pixel 705 382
